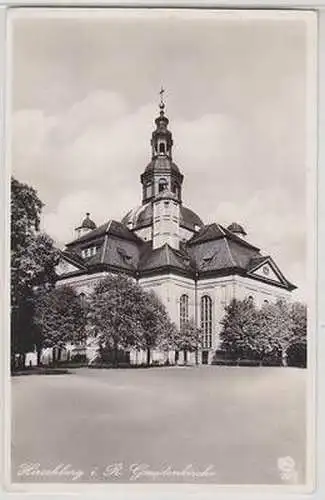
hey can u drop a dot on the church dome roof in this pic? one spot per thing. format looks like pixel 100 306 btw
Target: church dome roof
pixel 87 223
pixel 236 228
pixel 142 216
pixel 161 163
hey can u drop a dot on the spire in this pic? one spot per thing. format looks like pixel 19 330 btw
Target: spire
pixel 161 93
pixel 161 140
pixel 161 173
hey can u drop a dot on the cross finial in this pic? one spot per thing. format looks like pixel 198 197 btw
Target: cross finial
pixel 161 93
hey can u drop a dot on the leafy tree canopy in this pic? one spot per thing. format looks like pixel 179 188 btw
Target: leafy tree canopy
pixel 33 259
pixel 60 317
pixel 124 315
pixel 268 331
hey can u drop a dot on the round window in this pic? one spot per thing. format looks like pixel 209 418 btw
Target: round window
pixel 266 270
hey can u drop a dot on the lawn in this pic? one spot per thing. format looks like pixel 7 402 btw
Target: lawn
pixel 227 425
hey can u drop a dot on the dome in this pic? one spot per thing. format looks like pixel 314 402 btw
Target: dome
pixel 236 229
pixel 162 163
pixel 87 223
pixel 142 217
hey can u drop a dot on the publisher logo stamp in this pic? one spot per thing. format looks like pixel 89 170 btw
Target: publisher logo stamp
pixel 287 469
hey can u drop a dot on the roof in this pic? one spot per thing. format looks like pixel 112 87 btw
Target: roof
pixel 215 231
pixel 162 164
pixel 165 257
pixel 236 228
pixel 213 251
pixel 142 216
pixel 113 227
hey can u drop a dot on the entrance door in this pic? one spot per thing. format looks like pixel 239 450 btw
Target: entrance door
pixel 205 357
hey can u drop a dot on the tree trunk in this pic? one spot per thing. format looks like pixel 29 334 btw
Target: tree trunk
pixel 148 356
pixel 115 355
pixel 53 355
pixel 39 354
pixel 22 360
pixel 284 356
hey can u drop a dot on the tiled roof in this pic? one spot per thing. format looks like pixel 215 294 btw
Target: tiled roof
pixel 212 251
pixel 74 258
pixel 163 257
pixel 142 216
pixel 112 227
pixel 214 231
pixel 162 163
pixel 207 233
pixel 256 261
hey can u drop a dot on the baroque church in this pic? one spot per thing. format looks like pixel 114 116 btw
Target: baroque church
pixel 196 269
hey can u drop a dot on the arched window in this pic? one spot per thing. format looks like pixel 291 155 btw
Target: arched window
pixel 206 321
pixel 175 188
pixel 82 297
pixel 183 310
pixel 162 148
pixel 162 185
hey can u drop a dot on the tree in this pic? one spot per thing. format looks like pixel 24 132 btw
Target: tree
pixel 297 351
pixel 276 329
pixel 33 260
pixel 240 327
pixel 115 313
pixel 25 214
pixel 156 326
pixel 298 315
pixel 125 316
pixel 60 317
pixel 266 332
pixel 189 338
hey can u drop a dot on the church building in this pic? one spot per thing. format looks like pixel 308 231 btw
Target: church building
pixel 196 269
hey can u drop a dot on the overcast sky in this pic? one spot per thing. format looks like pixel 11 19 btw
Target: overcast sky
pixel 85 96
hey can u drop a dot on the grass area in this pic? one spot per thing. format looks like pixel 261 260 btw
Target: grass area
pixel 238 420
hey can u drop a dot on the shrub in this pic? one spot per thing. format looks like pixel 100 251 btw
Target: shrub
pixel 78 358
pixel 99 364
pixel 224 362
pixel 248 362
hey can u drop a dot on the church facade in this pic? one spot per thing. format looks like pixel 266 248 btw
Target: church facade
pixel 195 269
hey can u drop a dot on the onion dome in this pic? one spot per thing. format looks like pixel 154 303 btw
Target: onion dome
pixel 162 164
pixel 87 223
pixel 237 229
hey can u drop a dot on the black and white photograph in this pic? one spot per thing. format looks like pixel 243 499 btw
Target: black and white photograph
pixel 162 234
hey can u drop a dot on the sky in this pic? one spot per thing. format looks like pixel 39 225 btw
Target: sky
pixel 85 93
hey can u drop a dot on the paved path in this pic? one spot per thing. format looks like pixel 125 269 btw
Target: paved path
pixel 238 420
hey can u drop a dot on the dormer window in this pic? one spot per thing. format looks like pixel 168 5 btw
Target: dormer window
pixel 88 252
pixel 123 253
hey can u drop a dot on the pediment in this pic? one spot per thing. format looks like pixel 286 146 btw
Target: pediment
pixel 269 272
pixel 65 267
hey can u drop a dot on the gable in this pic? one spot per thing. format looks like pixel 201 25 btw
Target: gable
pixel 267 272
pixel 65 267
